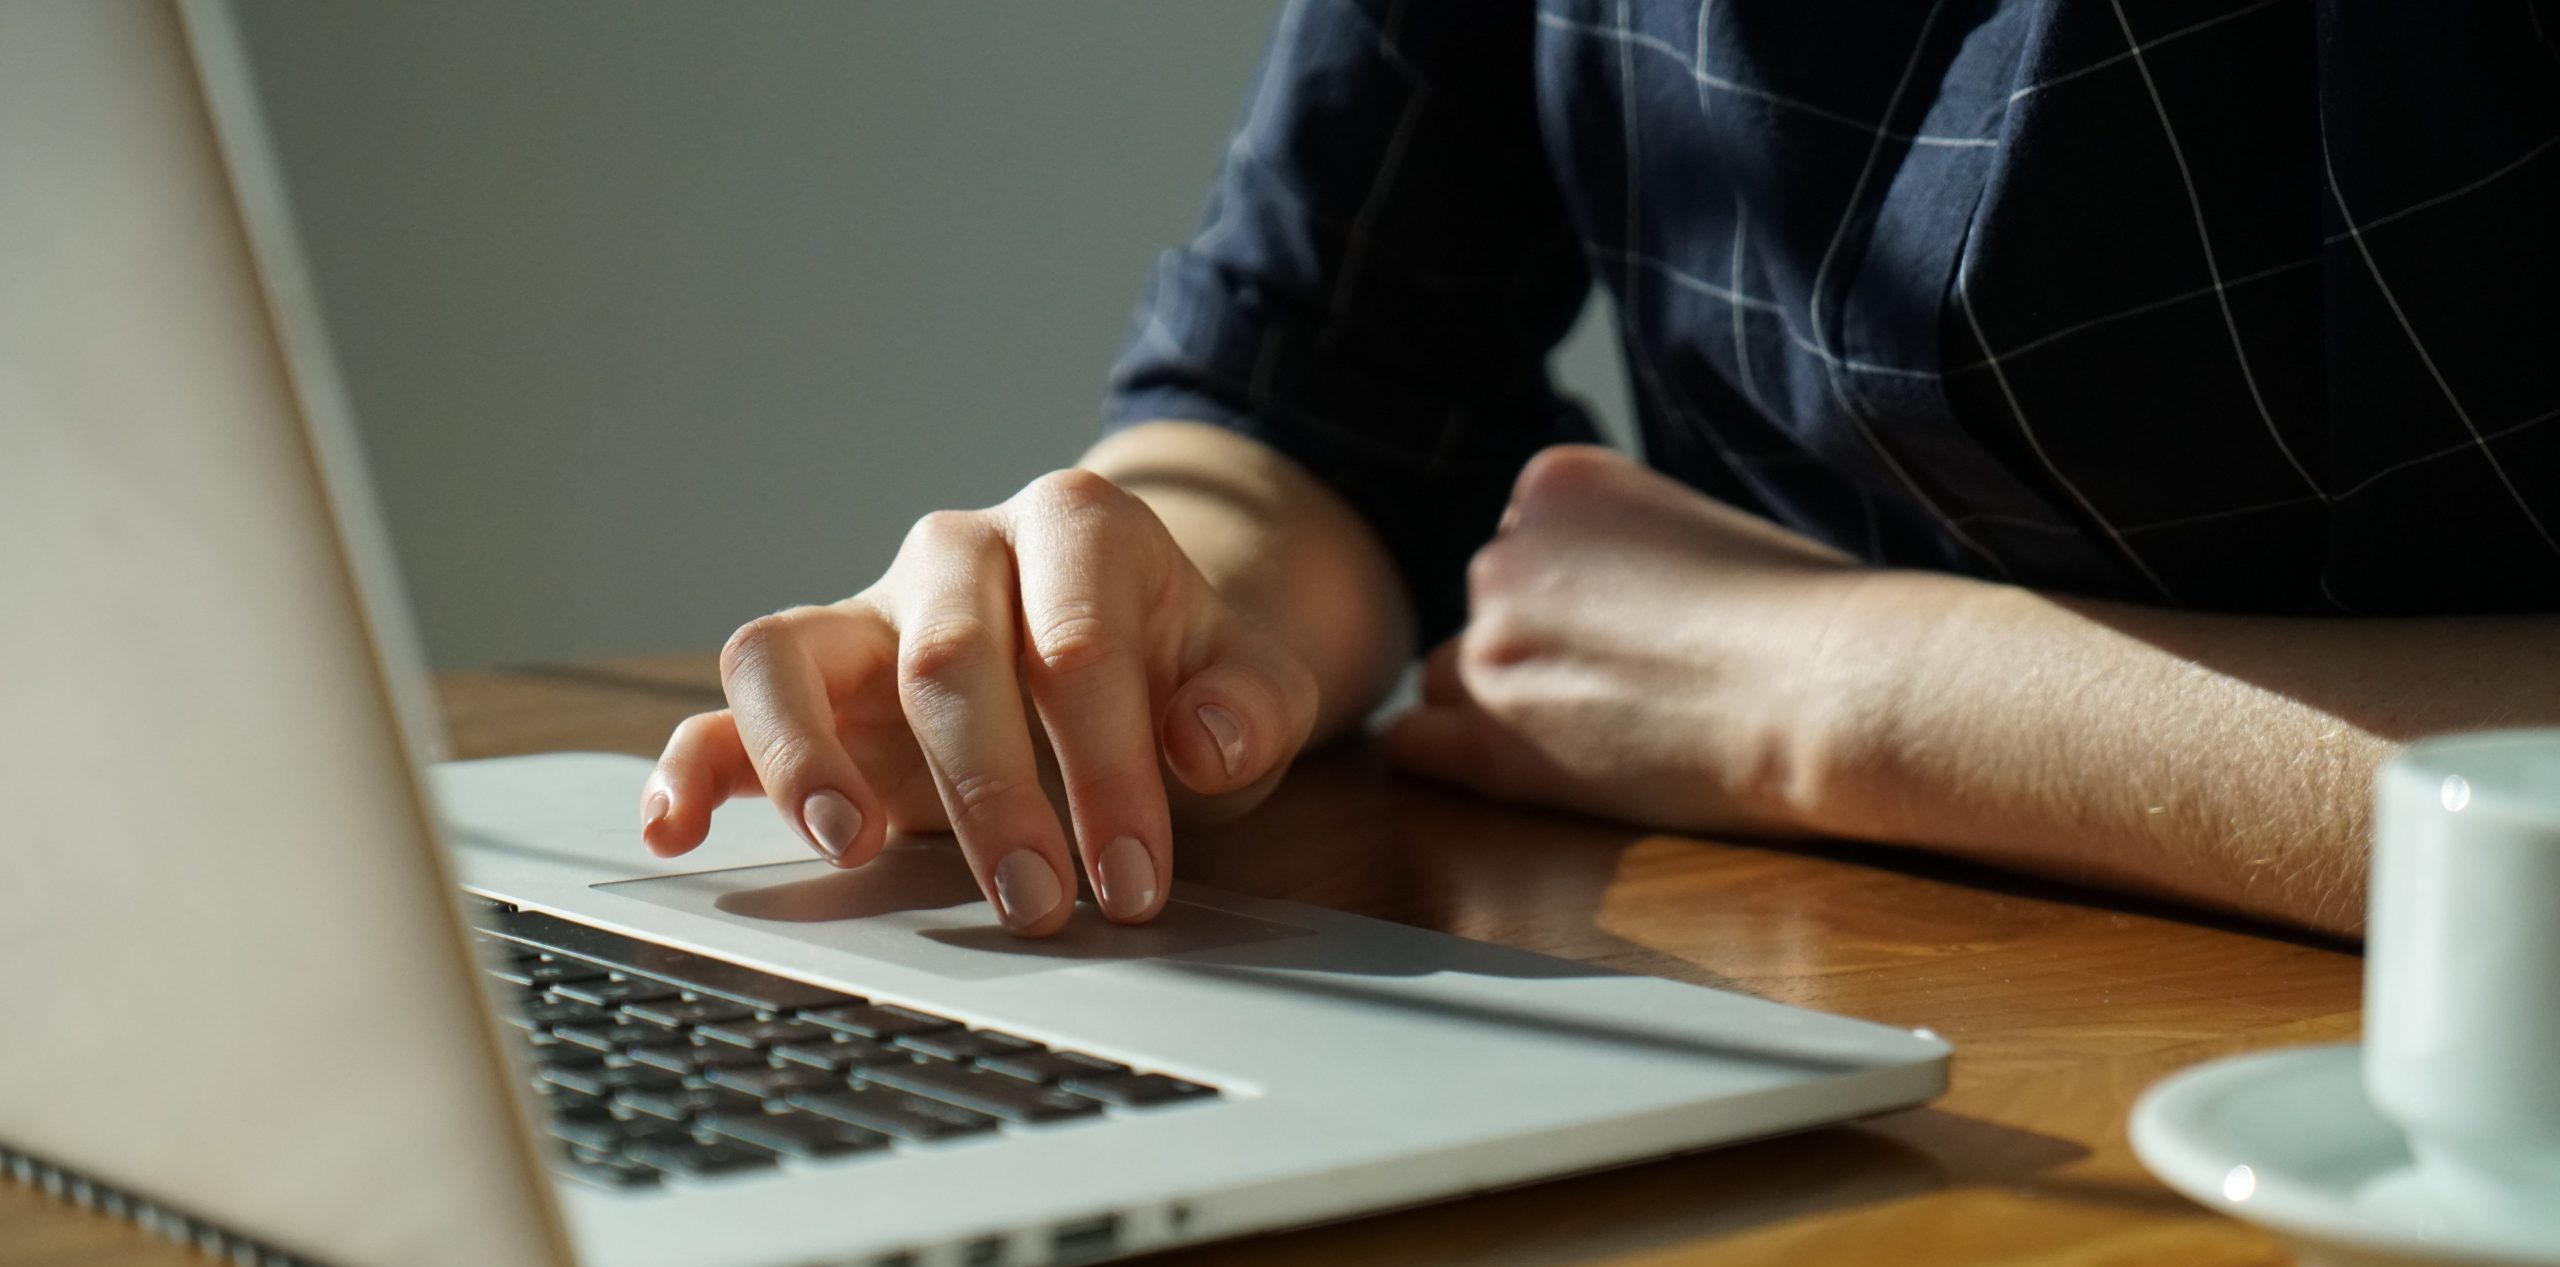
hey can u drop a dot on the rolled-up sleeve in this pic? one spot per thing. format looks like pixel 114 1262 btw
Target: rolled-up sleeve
pixel 1383 269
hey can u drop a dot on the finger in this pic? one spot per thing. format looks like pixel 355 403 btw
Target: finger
pixel 1239 720
pixel 704 764
pixel 1085 629
pixel 1446 744
pixel 783 674
pixel 959 685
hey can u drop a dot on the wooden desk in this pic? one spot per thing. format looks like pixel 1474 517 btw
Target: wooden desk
pixel 2062 1007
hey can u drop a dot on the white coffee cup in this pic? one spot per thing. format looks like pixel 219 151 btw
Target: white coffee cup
pixel 2462 970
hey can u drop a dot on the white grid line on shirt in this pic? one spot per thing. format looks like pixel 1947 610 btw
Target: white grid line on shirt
pixel 1655 44
pixel 2018 521
pixel 2204 237
pixel 1734 295
pixel 1699 61
pixel 2018 412
pixel 2447 196
pixel 2134 311
pixel 2145 46
pixel 1650 377
pixel 2353 489
pixel 2228 512
pixel 2231 283
pixel 1742 344
pixel 2447 451
pixel 1813 311
pixel 2428 359
pixel 1752 303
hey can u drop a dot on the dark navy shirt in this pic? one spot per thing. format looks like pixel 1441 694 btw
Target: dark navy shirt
pixel 2231 306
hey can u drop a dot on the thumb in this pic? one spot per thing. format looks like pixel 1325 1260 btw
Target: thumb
pixel 1241 718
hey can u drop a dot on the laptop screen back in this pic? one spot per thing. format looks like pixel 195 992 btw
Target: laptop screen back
pixel 230 978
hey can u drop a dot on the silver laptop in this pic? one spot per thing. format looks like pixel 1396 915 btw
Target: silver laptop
pixel 264 985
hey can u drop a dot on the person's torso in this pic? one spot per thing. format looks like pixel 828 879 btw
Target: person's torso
pixel 2231 305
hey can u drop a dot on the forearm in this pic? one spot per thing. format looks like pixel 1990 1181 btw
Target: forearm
pixel 1281 547
pixel 2223 760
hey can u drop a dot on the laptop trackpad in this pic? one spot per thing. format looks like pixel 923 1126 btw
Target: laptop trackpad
pixel 916 906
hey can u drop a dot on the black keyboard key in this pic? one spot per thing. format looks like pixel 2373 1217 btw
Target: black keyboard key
pixel 607 1079
pixel 614 991
pixel 993 1093
pixel 675 1104
pixel 611 1170
pixel 563 1102
pixel 762 1033
pixel 1050 1066
pixel 893 1113
pixel 881 1021
pixel 762 991
pixel 793 1134
pixel 591 1128
pixel 686 1013
pixel 844 1052
pixel 769 1083
pixel 759 990
pixel 966 1044
pixel 560 1053
pixel 618 1037
pixel 692 1158
pixel 1137 1090
pixel 696 1058
pixel 542 970
pixel 546 1014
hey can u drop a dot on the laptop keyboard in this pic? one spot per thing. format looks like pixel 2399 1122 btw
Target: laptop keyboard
pixel 657 1063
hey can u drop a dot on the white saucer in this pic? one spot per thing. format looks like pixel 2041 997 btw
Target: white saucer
pixel 2287 1140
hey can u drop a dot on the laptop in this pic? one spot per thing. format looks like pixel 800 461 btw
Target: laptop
pixel 276 981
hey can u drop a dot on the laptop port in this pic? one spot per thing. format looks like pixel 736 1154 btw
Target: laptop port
pixel 1089 1240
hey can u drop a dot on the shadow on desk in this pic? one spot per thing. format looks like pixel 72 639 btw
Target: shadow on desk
pixel 1655 1206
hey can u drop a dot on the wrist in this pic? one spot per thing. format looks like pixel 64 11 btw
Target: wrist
pixel 1871 676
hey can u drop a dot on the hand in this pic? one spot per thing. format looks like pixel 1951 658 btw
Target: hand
pixel 907 706
pixel 1641 652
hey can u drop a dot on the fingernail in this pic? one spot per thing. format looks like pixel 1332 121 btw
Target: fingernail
pixel 1026 888
pixel 654 809
pixel 1229 733
pixel 1126 874
pixel 832 821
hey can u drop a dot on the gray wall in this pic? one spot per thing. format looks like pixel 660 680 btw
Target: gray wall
pixel 658 316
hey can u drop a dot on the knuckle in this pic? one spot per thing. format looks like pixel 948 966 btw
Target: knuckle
pixel 755 642
pixel 980 793
pixel 1492 644
pixel 1073 640
pixel 693 730
pixel 1562 470
pixel 782 755
pixel 945 530
pixel 936 652
pixel 1075 492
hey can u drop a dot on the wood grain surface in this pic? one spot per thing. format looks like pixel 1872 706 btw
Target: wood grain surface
pixel 2062 1005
